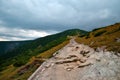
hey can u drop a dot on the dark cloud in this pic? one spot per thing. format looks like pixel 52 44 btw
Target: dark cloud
pixel 57 15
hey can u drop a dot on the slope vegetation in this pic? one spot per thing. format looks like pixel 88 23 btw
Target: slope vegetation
pixel 107 38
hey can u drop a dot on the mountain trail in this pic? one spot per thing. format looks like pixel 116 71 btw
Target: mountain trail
pixel 79 62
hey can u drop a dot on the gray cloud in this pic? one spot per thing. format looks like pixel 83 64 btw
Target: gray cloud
pixel 21 34
pixel 57 15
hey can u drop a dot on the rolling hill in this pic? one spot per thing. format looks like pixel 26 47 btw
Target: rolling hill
pixel 23 51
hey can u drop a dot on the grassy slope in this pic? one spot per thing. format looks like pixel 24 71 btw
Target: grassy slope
pixel 105 36
pixel 13 73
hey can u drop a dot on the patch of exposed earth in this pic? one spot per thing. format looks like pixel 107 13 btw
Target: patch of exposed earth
pixel 79 62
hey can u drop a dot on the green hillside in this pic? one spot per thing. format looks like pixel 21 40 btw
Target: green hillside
pixel 21 55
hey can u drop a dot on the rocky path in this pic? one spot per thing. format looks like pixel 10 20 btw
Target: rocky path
pixel 79 62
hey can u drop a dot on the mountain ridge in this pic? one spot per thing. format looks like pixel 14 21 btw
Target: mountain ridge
pixel 34 52
pixel 22 54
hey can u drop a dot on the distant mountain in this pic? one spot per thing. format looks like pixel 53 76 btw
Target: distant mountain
pixel 7 46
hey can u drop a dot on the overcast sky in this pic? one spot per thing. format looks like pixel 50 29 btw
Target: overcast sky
pixel 30 19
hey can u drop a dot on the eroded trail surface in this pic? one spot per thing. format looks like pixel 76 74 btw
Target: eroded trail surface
pixel 79 62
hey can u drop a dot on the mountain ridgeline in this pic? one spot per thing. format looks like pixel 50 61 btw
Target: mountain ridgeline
pixel 19 52
pixel 19 59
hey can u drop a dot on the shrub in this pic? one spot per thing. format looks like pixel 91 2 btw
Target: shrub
pixel 99 33
pixel 19 63
pixel 97 29
pixel 82 35
pixel 87 36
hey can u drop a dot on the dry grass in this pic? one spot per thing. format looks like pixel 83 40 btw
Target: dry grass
pixel 11 70
pixel 108 38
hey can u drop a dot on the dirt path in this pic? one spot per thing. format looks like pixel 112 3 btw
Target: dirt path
pixel 79 62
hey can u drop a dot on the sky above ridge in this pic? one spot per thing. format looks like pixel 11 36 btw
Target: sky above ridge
pixel 30 19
